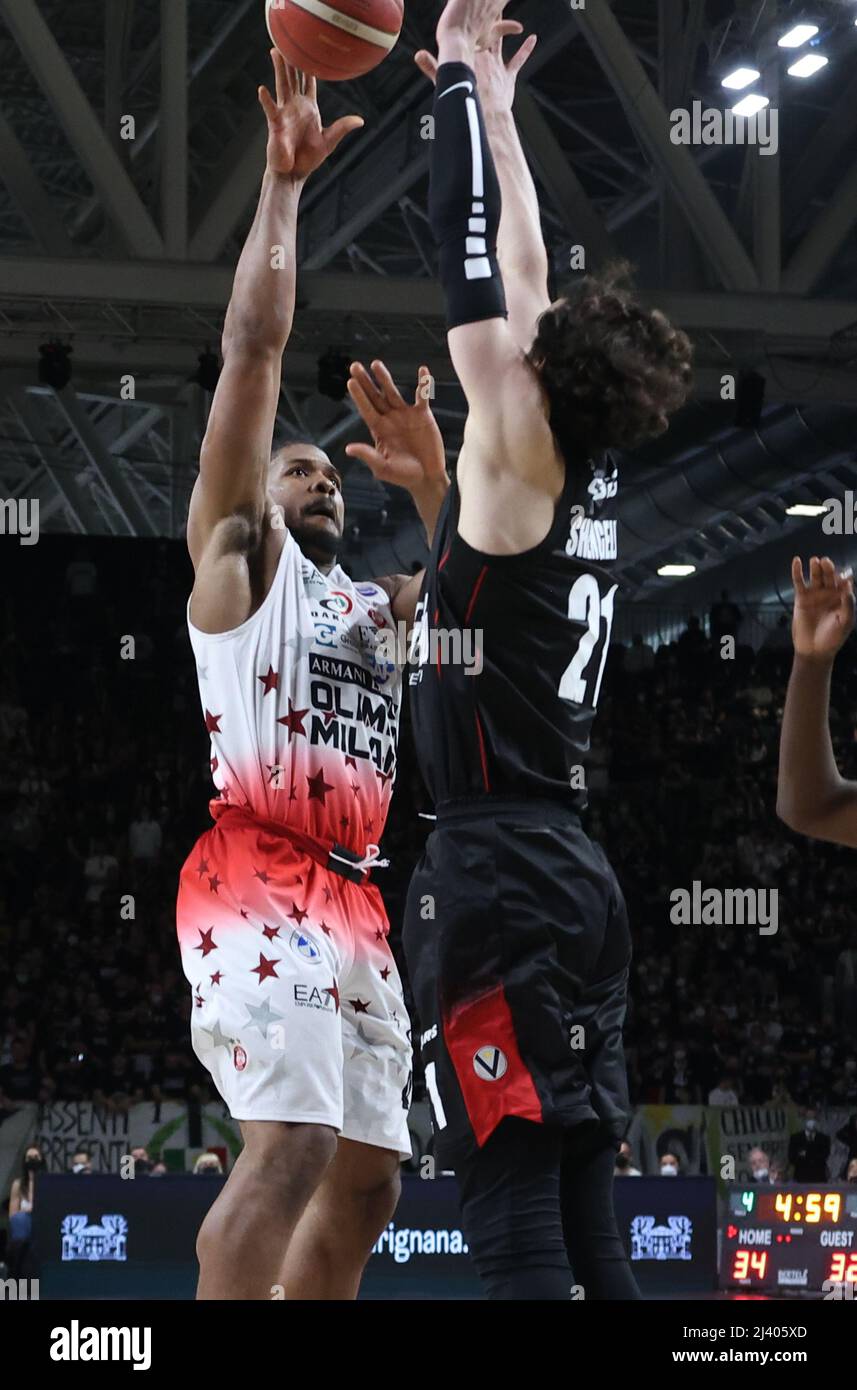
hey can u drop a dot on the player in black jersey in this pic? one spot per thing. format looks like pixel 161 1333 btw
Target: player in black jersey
pixel 516 934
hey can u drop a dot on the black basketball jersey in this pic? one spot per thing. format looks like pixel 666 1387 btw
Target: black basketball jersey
pixel 508 652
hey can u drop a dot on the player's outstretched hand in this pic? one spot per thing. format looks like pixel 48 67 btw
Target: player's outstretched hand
pixel 497 80
pixel 824 609
pixel 297 141
pixel 407 445
pixel 469 18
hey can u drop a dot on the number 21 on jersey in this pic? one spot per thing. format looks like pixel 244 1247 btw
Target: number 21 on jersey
pixel 585 605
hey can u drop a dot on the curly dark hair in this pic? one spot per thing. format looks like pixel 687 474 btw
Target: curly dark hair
pixel 613 371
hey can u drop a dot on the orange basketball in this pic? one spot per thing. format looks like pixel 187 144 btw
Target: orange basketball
pixel 335 39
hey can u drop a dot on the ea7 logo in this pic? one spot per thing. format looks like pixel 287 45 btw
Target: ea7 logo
pixel 490 1063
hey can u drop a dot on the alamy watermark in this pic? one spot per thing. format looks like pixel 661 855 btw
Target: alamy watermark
pixel 701 125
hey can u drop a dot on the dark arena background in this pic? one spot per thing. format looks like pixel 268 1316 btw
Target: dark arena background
pixel 131 153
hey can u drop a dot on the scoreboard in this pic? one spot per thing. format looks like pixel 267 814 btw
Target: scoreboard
pixel 800 1237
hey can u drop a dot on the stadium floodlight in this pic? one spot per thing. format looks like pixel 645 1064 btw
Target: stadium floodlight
pixel 676 571
pixel 751 105
pixel 798 36
pixel 739 79
pixel 806 66
pixel 807 509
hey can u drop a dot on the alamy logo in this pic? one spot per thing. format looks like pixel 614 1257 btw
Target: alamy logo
pixel 20 517
pixel 19 1290
pixel 76 1343
pixel 84 1241
pixel 709 126
pixel 710 907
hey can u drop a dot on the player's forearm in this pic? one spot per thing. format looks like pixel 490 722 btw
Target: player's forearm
pixel 520 247
pixel 809 786
pixel 428 501
pixel 261 310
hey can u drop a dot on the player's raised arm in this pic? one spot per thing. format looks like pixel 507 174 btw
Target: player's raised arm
pixel 521 252
pixel 812 797
pixel 407 451
pixel 236 450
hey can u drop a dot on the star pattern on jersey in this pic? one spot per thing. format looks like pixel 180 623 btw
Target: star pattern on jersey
pixel 318 788
pixel 355 787
pixel 206 942
pixel 325 928
pixel 271 681
pixel 202 672
pixel 384 777
pixel 212 722
pixel 294 720
pixel 351 762
pixel 245 914
pixel 217 977
pixel 261 1016
pixel 362 1044
pixel 266 968
pixel 328 896
pixel 270 932
pixel 299 645
pixel 344 822
pixel 360 1006
pixel 333 991
pixel 262 875
pixel 214 884
pixel 297 914
pixel 328 717
pixel 198 999
pixel 214 764
pixel 202 867
pixel 380 935
pixel 275 771
pixel 385 972
pixel 218 1037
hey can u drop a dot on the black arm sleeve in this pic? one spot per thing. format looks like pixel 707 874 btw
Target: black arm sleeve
pixel 464 201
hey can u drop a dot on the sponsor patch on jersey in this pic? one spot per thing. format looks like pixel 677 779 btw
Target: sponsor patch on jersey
pixel 604 486
pixel 305 946
pixel 490 1063
pixel 336 602
pixel 239 1057
pixel 372 591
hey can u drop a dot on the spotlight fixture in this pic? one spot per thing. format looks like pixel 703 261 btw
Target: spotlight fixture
pixel 334 370
pixel 798 36
pixel 739 79
pixel 55 365
pixel 807 509
pixel 807 66
pixel 676 571
pixel 751 105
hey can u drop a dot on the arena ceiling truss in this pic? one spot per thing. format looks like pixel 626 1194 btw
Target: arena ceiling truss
pixel 124 249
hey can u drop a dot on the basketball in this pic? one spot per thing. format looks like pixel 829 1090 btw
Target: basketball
pixel 335 41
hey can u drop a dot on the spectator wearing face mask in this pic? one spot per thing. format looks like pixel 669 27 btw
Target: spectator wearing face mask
pixel 81 1163
pixel 669 1166
pixel 847 1135
pixel 142 1162
pixel 208 1163
pixel 21 1202
pixel 760 1166
pixel 809 1151
pixel 624 1166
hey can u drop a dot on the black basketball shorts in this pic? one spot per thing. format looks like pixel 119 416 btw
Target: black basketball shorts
pixel 518 949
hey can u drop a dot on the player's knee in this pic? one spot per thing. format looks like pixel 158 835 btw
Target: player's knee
pixel 291 1160
pixel 380 1202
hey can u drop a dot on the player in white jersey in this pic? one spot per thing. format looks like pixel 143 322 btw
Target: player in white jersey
pixel 298 1011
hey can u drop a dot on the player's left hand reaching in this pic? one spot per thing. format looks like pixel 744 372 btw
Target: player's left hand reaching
pixel 824 610
pixel 298 143
pixel 407 448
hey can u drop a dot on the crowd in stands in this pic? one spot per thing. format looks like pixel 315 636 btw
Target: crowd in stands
pixel 104 787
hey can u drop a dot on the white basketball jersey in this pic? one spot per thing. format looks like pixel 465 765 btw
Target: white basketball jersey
pixel 303 707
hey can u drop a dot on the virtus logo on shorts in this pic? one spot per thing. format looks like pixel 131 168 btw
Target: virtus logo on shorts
pixel 305 946
pixel 490 1063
